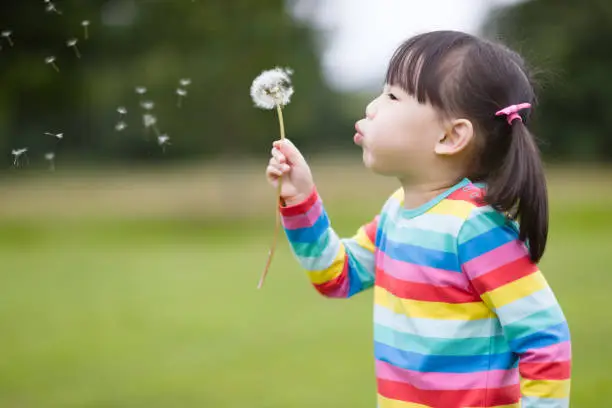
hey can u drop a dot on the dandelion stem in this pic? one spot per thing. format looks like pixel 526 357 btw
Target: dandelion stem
pixel 76 51
pixel 55 66
pixel 281 123
pixel 86 33
pixel 9 41
pixel 178 103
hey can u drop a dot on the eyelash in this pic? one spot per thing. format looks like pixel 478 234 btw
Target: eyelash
pixel 391 96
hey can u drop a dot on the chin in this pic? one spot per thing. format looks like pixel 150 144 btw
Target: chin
pixel 376 168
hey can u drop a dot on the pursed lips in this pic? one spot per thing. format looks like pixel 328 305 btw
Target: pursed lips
pixel 358 138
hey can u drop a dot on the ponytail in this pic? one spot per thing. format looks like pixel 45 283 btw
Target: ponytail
pixel 518 187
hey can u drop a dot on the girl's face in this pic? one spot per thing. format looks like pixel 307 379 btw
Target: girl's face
pixel 398 134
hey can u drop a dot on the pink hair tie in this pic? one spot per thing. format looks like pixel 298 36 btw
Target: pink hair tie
pixel 512 111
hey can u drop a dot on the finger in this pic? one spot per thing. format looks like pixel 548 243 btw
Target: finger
pixel 273 172
pixel 284 167
pixel 288 149
pixel 278 155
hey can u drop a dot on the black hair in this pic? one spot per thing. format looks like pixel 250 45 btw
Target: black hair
pixel 461 74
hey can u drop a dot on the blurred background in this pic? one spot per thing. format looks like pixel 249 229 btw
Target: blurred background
pixel 131 253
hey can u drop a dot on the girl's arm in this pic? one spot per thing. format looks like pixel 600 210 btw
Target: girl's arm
pixel 336 267
pixel 513 287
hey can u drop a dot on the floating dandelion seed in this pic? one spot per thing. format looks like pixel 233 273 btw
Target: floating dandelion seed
pixel 150 121
pixel 122 111
pixel 51 61
pixel 58 135
pixel 141 90
pixel 51 8
pixel 50 157
pixel 181 93
pixel 121 125
pixel 73 43
pixel 7 34
pixel 85 24
pixel 272 89
pixel 147 105
pixel 18 153
pixel 163 141
pixel 185 82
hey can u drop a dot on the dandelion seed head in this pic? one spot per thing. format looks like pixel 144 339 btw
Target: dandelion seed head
pixel 122 110
pixel 141 90
pixel 185 82
pixel 19 152
pixel 50 60
pixel 71 42
pixel 49 156
pixel 271 88
pixel 85 23
pixel 50 7
pixel 181 92
pixel 163 139
pixel 148 105
pixel 7 33
pixel 149 120
pixel 120 126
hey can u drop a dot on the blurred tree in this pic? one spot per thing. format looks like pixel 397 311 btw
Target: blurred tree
pixel 220 45
pixel 569 44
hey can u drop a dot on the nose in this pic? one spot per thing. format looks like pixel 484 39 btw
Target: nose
pixel 371 109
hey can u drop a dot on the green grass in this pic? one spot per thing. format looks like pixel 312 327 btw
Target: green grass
pixel 164 312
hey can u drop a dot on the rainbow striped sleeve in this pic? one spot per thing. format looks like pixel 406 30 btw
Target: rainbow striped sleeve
pixel 336 267
pixel 513 287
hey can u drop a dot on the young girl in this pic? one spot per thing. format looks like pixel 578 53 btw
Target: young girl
pixel 463 317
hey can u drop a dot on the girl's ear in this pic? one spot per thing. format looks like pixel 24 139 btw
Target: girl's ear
pixel 456 138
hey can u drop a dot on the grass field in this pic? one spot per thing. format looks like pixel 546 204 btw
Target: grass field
pixel 139 290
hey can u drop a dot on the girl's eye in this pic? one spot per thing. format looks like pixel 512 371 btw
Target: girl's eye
pixel 391 96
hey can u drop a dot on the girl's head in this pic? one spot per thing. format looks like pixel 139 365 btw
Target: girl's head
pixel 436 120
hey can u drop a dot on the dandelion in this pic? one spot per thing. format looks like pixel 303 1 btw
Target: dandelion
pixel 181 93
pixel 85 24
pixel 7 34
pixel 272 89
pixel 73 43
pixel 121 125
pixel 50 157
pixel 163 141
pixel 185 82
pixel 141 90
pixel 58 135
pixel 51 61
pixel 18 153
pixel 122 111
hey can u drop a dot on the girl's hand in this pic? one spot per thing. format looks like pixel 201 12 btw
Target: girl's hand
pixel 297 183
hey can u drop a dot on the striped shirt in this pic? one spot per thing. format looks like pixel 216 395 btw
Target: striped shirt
pixel 462 316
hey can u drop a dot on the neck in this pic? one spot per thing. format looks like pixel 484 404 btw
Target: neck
pixel 417 194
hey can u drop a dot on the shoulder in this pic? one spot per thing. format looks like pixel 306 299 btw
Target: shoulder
pixel 477 217
pixel 393 201
pixel 484 228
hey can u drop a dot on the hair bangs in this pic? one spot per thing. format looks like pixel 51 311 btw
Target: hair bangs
pixel 415 67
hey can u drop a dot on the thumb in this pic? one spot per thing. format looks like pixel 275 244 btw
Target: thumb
pixel 291 152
